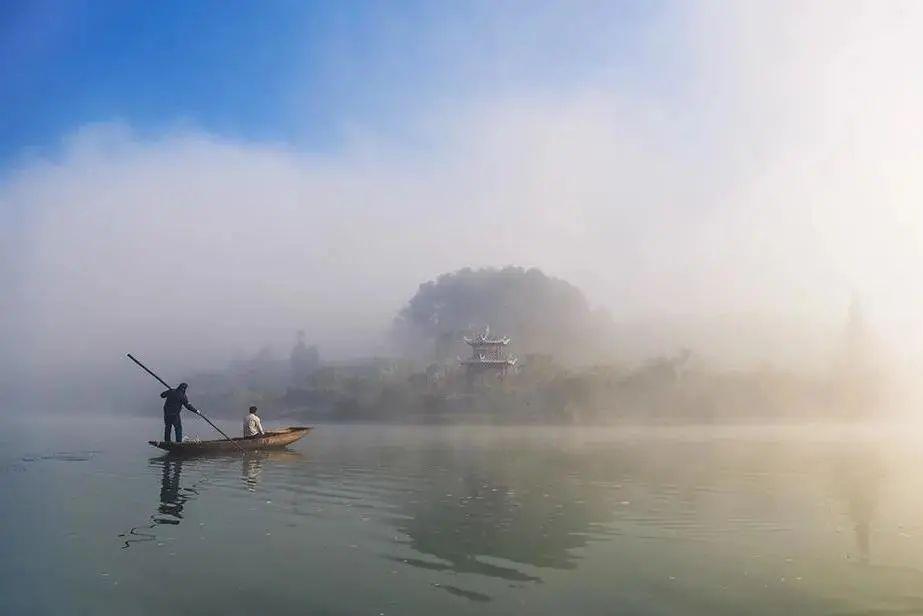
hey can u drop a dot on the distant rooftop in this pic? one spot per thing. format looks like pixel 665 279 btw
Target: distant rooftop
pixel 485 340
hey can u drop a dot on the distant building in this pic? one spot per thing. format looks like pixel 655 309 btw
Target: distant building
pixel 488 356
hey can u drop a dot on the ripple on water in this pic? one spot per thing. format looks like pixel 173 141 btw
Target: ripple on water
pixel 62 456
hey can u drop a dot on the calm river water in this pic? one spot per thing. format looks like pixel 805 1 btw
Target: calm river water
pixel 464 520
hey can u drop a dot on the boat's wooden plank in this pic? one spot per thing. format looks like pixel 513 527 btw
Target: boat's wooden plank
pixel 277 438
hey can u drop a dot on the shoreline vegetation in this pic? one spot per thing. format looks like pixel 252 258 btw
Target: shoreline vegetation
pixel 562 376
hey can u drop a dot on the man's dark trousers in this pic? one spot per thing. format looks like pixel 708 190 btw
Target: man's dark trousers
pixel 177 425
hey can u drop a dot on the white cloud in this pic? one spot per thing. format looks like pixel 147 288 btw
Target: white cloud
pixel 778 177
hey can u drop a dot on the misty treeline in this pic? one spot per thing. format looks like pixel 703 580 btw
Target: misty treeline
pixel 567 372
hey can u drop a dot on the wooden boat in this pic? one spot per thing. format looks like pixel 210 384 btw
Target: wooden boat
pixel 271 440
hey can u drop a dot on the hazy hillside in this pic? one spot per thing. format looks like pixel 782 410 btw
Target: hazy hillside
pixel 540 313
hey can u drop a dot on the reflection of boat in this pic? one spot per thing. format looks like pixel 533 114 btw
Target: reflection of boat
pixel 272 439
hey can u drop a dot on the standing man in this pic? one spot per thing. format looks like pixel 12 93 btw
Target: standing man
pixel 175 400
pixel 252 423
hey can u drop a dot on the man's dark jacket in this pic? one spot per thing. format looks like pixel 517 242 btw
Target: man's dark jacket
pixel 175 400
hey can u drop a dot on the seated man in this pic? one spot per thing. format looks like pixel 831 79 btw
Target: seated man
pixel 252 424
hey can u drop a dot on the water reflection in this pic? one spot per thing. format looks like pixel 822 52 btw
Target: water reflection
pixel 251 467
pixel 483 514
pixel 857 478
pixel 175 494
pixel 173 497
pixel 508 514
pixel 251 464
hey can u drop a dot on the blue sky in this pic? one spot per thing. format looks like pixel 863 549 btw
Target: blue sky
pixel 298 73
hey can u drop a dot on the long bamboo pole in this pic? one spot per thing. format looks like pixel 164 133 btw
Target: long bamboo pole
pixel 197 412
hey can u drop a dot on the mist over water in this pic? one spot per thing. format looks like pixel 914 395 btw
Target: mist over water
pixel 732 203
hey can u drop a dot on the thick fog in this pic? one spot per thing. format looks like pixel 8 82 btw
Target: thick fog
pixel 756 170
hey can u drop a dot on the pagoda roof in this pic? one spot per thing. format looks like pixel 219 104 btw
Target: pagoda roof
pixel 508 361
pixel 484 340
